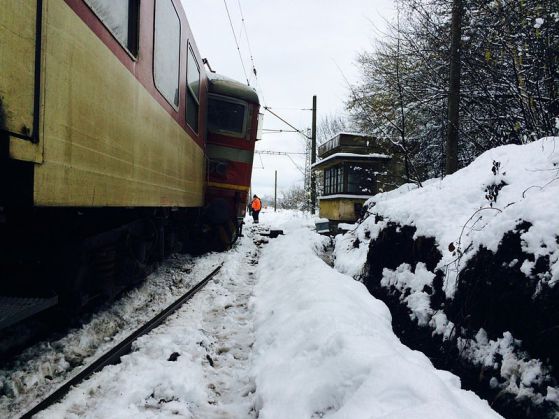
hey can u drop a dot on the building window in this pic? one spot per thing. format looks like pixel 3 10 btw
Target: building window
pixel 361 180
pixel 193 90
pixel 334 180
pixel 227 116
pixel 121 18
pixel 166 54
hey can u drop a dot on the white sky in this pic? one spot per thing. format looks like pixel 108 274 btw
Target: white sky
pixel 300 48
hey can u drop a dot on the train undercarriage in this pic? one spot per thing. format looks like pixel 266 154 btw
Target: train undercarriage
pixel 76 257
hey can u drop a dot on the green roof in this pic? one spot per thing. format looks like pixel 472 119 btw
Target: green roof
pixel 228 87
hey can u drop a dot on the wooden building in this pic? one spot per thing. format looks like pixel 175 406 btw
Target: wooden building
pixel 353 168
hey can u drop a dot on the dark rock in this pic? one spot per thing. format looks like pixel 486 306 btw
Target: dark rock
pixel 492 294
pixel 174 356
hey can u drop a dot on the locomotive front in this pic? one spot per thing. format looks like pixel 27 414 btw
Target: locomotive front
pixel 233 122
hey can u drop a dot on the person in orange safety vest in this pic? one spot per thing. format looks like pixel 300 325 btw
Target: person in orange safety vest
pixel 256 206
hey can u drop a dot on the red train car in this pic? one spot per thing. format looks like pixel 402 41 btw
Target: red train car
pixel 233 120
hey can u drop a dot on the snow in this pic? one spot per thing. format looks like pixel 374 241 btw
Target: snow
pixel 370 156
pixel 332 342
pixel 39 369
pixel 276 334
pixel 417 300
pixel 521 375
pixel 467 217
pixel 471 208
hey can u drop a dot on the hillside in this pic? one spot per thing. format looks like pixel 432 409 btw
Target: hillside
pixel 469 266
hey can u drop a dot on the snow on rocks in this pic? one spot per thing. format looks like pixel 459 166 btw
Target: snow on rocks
pixel 477 205
pixel 417 300
pixel 493 228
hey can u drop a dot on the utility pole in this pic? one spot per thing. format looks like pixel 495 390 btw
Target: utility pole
pixel 276 192
pixel 454 89
pixel 313 156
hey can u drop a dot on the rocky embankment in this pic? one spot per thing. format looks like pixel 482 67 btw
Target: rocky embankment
pixel 469 267
pixel 493 334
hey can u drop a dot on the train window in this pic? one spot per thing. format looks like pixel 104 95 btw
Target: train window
pixel 227 116
pixel 193 90
pixel 121 18
pixel 166 54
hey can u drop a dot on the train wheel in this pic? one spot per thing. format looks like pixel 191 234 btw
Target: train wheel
pixel 226 234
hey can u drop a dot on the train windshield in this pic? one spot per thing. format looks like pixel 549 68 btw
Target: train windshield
pixel 227 116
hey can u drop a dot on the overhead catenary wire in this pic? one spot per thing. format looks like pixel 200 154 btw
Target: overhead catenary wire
pixel 288 154
pixel 278 153
pixel 267 108
pixel 248 40
pixel 236 41
pixel 277 131
pixel 256 74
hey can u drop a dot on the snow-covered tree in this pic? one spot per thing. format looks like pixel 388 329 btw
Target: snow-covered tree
pixel 509 73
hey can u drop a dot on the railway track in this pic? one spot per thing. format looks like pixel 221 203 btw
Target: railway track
pixel 113 355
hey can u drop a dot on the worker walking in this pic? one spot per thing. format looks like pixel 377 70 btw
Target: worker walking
pixel 256 206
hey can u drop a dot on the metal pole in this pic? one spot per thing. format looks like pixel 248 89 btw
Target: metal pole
pixel 313 156
pixel 276 192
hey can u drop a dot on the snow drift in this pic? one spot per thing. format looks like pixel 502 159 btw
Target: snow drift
pixel 325 348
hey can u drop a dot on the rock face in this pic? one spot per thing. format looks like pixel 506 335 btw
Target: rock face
pixel 499 330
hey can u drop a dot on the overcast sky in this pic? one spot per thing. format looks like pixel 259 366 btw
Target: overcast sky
pixel 300 48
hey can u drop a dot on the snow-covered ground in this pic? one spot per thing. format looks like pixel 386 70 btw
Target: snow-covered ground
pixel 277 334
pixel 38 370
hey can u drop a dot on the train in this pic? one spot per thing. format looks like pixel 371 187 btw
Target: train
pixel 117 147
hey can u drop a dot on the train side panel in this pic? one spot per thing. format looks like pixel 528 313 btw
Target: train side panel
pixel 107 141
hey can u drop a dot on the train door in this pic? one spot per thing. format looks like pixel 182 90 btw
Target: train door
pixel 20 45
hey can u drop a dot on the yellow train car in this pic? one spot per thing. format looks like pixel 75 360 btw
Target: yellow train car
pixel 89 110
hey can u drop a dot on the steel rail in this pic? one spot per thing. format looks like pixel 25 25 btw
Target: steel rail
pixel 124 347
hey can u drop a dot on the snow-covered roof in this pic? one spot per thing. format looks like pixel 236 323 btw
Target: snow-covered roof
pixel 353 156
pixel 353 134
pixel 344 196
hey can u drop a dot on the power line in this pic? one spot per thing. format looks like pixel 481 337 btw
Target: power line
pixel 281 153
pixel 256 79
pixel 248 40
pixel 292 109
pixel 278 153
pixel 285 122
pixel 236 41
pixel 277 131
